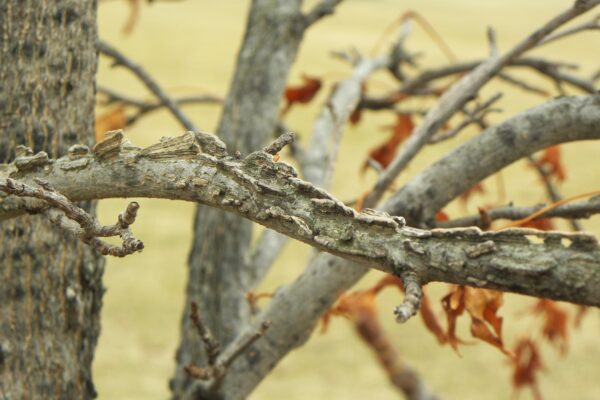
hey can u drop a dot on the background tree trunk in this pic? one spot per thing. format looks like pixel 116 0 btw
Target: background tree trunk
pixel 51 290
pixel 219 276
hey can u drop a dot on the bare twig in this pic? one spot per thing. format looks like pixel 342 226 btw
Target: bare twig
pixel 210 344
pixel 582 210
pixel 593 24
pixel 279 143
pixel 520 83
pixel 491 35
pixel 220 362
pixel 412 298
pixel 151 84
pixel 87 229
pixel 474 116
pixel 145 107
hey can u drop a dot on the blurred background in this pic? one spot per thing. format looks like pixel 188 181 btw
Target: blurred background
pixel 190 48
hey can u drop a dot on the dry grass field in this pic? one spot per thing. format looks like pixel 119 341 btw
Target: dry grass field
pixel 190 47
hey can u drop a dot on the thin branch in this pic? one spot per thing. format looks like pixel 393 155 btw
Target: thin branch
pixel 593 24
pixel 241 344
pixel 491 36
pixel 217 370
pixel 522 84
pixel 475 116
pixel 211 346
pixel 584 209
pixel 151 84
pixel 418 86
pixel 145 107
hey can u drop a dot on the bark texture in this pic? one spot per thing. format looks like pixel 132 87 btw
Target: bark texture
pixel 328 275
pixel 218 274
pixel 51 290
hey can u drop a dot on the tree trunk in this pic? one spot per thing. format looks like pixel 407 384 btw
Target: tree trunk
pixel 51 290
pixel 218 271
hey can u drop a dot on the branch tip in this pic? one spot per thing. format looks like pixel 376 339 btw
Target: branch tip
pixel 279 143
pixel 412 298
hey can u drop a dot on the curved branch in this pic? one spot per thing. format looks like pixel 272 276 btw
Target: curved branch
pixel 268 192
pixel 560 120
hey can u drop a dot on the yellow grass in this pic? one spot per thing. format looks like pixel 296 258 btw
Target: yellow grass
pixel 190 47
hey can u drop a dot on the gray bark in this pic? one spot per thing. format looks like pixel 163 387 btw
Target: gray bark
pixel 318 165
pixel 218 279
pixel 51 290
pixel 327 275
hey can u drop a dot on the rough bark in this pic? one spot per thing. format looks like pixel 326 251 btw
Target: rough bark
pixel 218 279
pixel 51 290
pixel 318 165
pixel 328 275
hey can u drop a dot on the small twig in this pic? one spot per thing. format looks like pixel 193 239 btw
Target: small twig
pixel 296 149
pixel 412 298
pixel 210 344
pixel 144 107
pixel 352 56
pixel 577 210
pixel 377 167
pixel 522 84
pixel 87 229
pixel 279 143
pixel 216 371
pixel 241 343
pixel 593 24
pixel 475 116
pixel 151 84
pixel 491 35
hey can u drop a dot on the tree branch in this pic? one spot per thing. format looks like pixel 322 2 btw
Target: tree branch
pixel 584 209
pixel 144 107
pixel 317 288
pixel 260 189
